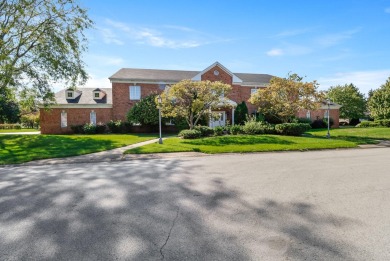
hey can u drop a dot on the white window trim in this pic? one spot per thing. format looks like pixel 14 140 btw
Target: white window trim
pixel 64 119
pixel 137 95
pixel 308 115
pixel 92 117
pixel 253 90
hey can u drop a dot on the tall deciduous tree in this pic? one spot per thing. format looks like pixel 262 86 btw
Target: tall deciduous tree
pixel 352 100
pixel 285 97
pixel 144 112
pixel 192 100
pixel 41 42
pixel 379 102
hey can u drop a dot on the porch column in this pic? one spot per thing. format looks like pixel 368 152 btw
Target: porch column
pixel 232 116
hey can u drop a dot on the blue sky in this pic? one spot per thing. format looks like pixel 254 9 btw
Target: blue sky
pixel 333 42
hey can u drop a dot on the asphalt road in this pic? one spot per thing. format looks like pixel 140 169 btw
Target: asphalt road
pixel 323 205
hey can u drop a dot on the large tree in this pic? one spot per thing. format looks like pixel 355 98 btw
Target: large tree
pixel 352 100
pixel 379 102
pixel 144 112
pixel 41 42
pixel 191 100
pixel 285 97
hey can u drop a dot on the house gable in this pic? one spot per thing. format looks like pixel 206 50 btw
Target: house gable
pixel 217 72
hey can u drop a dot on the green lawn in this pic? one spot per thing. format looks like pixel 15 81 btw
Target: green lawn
pixel 23 148
pixel 20 130
pixel 242 143
pixel 357 135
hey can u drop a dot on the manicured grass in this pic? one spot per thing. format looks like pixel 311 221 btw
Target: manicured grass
pixel 20 130
pixel 242 143
pixel 357 135
pixel 23 148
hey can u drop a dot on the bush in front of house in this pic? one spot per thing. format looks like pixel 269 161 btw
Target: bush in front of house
pixel 258 127
pixel 205 130
pixel 236 129
pixel 144 112
pixel 219 131
pixel 331 122
pixel 303 120
pixel 373 124
pixel 292 129
pixel 89 128
pixel 190 134
pixel 101 128
pixel 115 126
pixel 77 129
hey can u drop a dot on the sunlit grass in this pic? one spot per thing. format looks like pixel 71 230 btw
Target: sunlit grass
pixel 23 148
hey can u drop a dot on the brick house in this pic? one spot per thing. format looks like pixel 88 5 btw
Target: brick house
pixel 130 85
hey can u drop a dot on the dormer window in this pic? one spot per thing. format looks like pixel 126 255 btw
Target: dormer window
pixel 70 94
pixel 98 94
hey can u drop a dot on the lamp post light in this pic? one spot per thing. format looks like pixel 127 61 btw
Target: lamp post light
pixel 159 100
pixel 328 135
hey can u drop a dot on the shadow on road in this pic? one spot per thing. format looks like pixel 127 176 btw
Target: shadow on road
pixel 151 210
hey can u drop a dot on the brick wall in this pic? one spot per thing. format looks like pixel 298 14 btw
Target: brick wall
pixel 121 97
pixel 222 76
pixel 50 121
pixel 333 113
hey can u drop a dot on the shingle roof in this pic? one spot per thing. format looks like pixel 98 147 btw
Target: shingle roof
pixel 85 96
pixel 155 75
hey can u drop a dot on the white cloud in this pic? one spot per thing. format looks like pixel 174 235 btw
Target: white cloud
pixel 110 37
pixel 336 38
pixel 290 33
pixel 179 36
pixel 364 80
pixel 275 52
pixel 387 10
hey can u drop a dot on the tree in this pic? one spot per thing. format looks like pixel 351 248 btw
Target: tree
pixel 144 112
pixel 41 42
pixel 379 103
pixel 241 113
pixel 192 100
pixel 9 111
pixel 352 100
pixel 284 97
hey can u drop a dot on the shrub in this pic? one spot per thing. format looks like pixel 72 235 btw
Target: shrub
pixel 101 128
pixel 292 129
pixel 304 120
pixel 218 131
pixel 384 123
pixel 241 113
pixel 373 124
pixel 318 124
pixel 7 126
pixel 236 129
pixel 190 134
pixel 115 126
pixel 204 130
pixel 258 127
pixel 89 128
pixel 331 122
pixel 77 129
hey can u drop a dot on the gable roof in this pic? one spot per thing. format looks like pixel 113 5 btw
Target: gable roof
pixel 85 97
pixel 173 76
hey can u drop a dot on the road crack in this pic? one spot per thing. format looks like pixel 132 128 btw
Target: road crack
pixel 169 234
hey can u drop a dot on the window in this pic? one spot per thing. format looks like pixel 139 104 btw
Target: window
pixel 92 117
pixel 96 94
pixel 308 115
pixel 69 94
pixel 326 114
pixel 135 92
pixel 253 91
pixel 64 119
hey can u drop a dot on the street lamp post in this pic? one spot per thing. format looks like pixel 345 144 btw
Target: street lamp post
pixel 159 117
pixel 328 135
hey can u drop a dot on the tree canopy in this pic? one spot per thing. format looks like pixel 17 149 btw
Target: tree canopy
pixel 285 97
pixel 192 100
pixel 41 42
pixel 352 100
pixel 144 112
pixel 379 102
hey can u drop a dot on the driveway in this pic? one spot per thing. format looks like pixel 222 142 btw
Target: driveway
pixel 322 205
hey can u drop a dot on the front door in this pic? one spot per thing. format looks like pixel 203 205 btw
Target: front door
pixel 219 119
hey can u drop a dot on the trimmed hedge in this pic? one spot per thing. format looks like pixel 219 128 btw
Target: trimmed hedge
pixel 292 129
pixel 205 130
pixel 258 127
pixel 10 126
pixel 236 129
pixel 373 124
pixel 190 134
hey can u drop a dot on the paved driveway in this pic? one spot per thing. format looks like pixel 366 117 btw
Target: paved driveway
pixel 324 205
